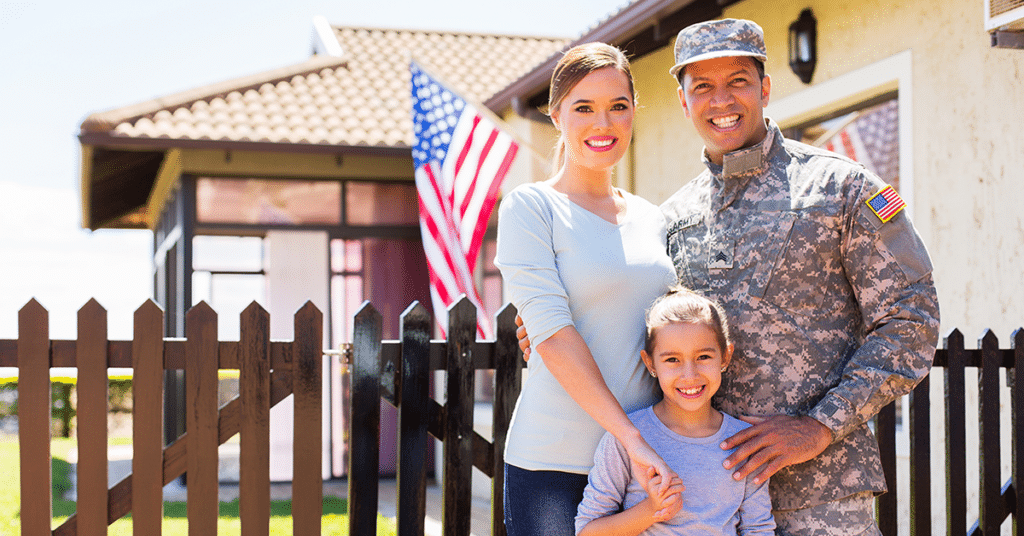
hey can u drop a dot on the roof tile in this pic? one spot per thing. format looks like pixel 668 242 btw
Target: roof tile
pixel 363 100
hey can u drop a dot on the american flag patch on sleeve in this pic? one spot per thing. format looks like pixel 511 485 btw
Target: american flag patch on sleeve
pixel 886 203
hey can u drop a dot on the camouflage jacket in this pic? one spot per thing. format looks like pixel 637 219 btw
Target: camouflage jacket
pixel 833 311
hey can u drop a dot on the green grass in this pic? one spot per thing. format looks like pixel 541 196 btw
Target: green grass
pixel 175 522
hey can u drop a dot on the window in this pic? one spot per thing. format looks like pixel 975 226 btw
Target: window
pixel 268 202
pixel 869 135
pixel 228 275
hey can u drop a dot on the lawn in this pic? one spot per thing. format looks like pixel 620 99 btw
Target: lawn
pixel 334 520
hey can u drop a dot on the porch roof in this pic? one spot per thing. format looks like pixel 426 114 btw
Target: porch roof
pixel 358 101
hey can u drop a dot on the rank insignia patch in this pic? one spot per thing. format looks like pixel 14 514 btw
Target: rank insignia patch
pixel 721 253
pixel 886 203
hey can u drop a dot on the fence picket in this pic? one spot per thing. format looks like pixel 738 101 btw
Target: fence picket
pixel 307 384
pixel 364 426
pixel 92 419
pixel 508 370
pixel 921 459
pixel 956 435
pixel 413 396
pixel 34 418
pixel 885 430
pixel 1017 446
pixel 254 393
pixel 201 362
pixel 458 433
pixel 990 510
pixel 147 420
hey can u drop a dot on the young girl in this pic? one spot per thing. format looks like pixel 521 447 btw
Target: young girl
pixel 687 349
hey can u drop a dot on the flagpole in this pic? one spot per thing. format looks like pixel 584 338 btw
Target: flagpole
pixel 485 111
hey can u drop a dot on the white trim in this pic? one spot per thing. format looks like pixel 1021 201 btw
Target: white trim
pixel 892 73
pixel 324 40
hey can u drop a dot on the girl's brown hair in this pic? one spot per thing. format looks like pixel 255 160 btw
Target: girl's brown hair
pixel 576 64
pixel 682 305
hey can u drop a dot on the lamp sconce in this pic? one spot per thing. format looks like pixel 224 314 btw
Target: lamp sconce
pixel 803 46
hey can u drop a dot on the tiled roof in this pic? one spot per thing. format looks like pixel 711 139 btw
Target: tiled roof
pixel 358 99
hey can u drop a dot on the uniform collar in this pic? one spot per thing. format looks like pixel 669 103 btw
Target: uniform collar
pixel 745 162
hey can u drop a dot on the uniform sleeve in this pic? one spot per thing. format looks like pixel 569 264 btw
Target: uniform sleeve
pixel 756 511
pixel 606 484
pixel 526 258
pixel 889 270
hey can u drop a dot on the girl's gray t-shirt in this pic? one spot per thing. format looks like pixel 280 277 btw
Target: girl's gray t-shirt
pixel 713 502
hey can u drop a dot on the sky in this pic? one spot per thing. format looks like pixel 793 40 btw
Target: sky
pixel 64 60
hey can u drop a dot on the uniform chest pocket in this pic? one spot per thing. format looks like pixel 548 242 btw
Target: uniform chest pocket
pixel 687 246
pixel 809 267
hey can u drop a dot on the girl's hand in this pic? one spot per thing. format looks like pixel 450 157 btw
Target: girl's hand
pixel 666 505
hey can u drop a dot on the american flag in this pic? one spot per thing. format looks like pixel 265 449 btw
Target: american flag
pixel 886 203
pixel 461 157
pixel 872 139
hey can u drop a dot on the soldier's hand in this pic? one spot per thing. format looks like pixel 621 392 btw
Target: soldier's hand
pixel 772 443
pixel 524 341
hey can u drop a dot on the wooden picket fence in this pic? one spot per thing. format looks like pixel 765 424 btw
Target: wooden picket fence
pixel 269 371
pixel 399 372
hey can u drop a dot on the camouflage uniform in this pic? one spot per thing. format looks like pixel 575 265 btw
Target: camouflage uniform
pixel 834 312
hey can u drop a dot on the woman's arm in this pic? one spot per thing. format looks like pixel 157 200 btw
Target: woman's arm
pixel 527 260
pixel 569 360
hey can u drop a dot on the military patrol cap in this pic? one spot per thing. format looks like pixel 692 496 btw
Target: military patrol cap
pixel 718 39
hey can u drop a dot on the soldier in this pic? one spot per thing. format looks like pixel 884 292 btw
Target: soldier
pixel 822 274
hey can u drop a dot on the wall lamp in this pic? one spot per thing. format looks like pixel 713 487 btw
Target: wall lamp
pixel 803 45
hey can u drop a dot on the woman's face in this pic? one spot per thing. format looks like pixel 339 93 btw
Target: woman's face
pixel 596 119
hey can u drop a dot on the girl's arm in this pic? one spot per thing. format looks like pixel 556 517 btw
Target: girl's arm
pixel 640 517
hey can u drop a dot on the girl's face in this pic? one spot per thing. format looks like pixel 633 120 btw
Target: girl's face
pixel 596 118
pixel 688 363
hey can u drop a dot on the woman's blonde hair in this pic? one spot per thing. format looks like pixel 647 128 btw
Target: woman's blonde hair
pixel 575 65
pixel 682 305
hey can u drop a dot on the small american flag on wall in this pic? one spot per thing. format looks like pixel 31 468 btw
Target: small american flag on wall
pixel 461 156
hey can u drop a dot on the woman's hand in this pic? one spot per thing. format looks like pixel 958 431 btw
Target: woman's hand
pixel 645 459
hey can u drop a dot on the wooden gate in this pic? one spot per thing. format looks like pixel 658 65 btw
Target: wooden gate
pixel 269 371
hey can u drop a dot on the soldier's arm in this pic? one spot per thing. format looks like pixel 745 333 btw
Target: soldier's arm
pixel 889 269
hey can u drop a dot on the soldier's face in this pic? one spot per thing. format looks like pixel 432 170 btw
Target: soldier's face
pixel 688 362
pixel 725 98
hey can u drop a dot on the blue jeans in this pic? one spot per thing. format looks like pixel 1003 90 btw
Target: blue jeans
pixel 541 503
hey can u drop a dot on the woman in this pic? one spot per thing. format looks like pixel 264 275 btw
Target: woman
pixel 582 259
